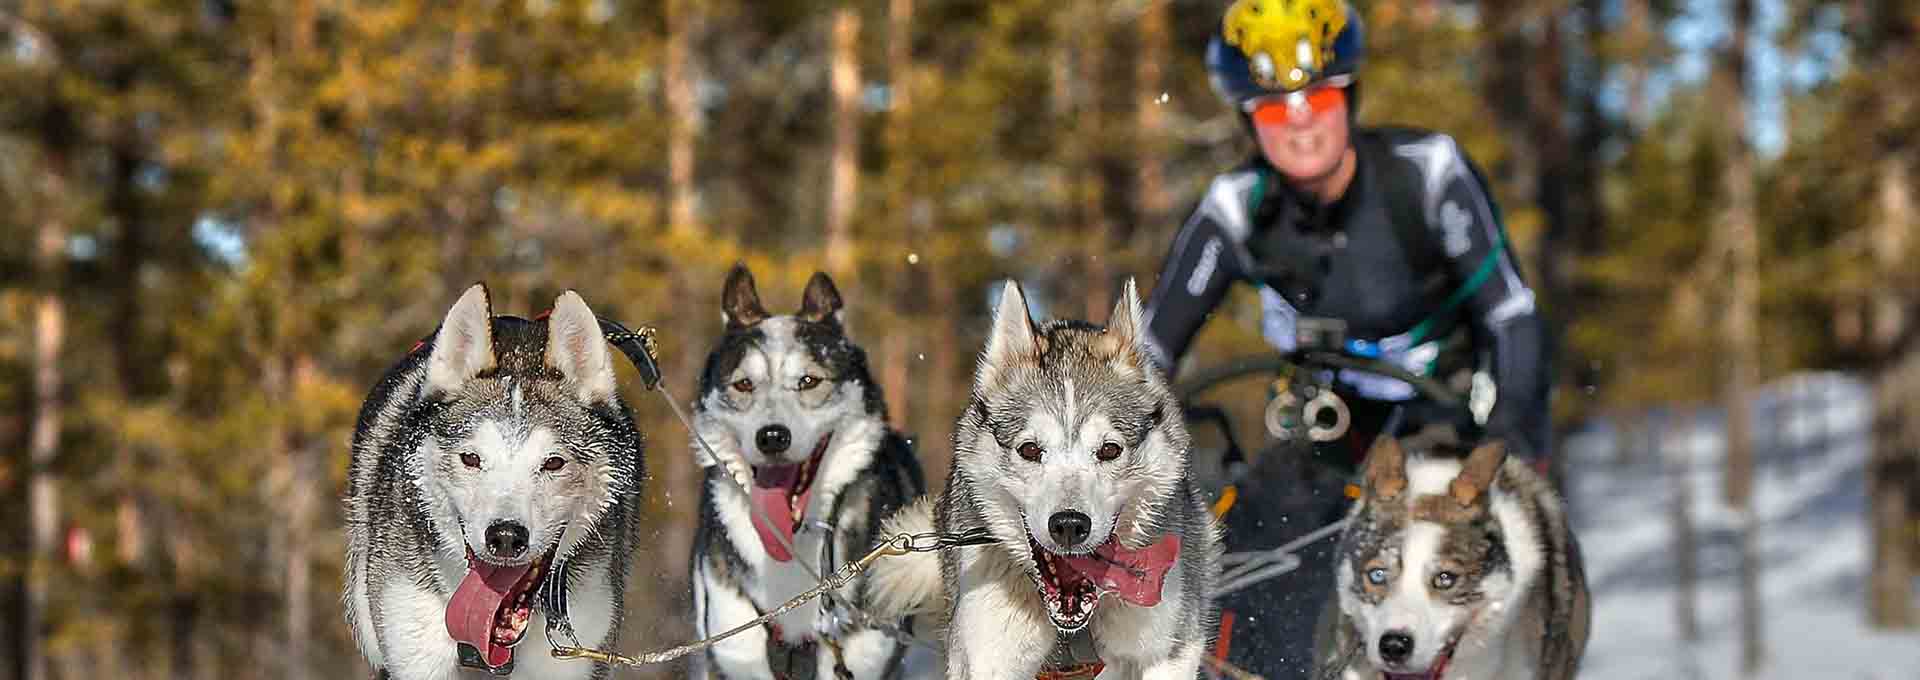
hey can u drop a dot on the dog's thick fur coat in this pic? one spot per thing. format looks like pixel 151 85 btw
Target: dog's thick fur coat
pixel 1072 449
pixel 1455 568
pixel 500 445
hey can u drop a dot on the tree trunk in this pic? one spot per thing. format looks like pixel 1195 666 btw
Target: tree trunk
pixel 15 547
pixel 43 439
pixel 1506 86
pixel 1677 457
pixel 844 161
pixel 1892 475
pixel 461 224
pixel 897 367
pixel 1556 169
pixel 1150 120
pixel 131 360
pixel 1639 39
pixel 899 81
pixel 1087 64
pixel 301 503
pixel 1894 471
pixel 186 619
pixel 668 589
pixel 683 21
pixel 1891 42
pixel 948 387
pixel 1739 241
pixel 1892 241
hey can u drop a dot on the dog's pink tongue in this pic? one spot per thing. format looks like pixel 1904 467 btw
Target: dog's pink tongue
pixel 470 614
pixel 1434 672
pixel 1137 576
pixel 772 487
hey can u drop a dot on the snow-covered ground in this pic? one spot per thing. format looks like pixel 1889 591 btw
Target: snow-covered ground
pixel 1810 501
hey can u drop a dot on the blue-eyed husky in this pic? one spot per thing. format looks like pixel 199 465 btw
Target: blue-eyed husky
pixel 1455 568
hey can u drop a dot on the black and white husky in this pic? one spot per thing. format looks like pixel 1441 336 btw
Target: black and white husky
pixel 1455 568
pixel 801 433
pixel 1073 456
pixel 494 478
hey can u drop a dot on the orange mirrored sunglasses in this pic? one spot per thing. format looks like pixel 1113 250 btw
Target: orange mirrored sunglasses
pixel 1279 109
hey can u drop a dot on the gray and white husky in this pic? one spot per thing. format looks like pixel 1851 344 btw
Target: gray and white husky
pixel 494 478
pixel 1455 568
pixel 800 429
pixel 1073 455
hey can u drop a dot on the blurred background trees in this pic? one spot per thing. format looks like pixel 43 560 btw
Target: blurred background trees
pixel 222 220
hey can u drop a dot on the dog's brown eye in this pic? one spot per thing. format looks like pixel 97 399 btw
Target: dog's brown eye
pixel 743 385
pixel 553 463
pixel 808 382
pixel 1030 451
pixel 1444 580
pixel 1108 451
pixel 470 460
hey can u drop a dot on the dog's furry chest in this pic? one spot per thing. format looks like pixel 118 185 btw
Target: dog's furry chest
pixel 738 561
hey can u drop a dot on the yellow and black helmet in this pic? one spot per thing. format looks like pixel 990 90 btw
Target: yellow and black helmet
pixel 1277 46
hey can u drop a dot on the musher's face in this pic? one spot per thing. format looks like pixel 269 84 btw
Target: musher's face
pixel 1303 134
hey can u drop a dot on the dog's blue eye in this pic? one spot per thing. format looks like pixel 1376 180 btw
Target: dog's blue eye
pixel 1031 451
pixel 1443 580
pixel 1377 576
pixel 808 382
pixel 470 460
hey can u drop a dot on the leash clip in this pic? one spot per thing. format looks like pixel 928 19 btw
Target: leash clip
pixel 933 540
pixel 642 347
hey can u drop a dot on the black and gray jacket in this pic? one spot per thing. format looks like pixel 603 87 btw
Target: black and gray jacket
pixel 1412 256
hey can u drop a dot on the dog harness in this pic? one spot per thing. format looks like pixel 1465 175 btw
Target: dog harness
pixel 1073 658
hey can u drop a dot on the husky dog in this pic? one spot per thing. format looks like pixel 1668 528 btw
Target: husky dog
pixel 1073 455
pixel 801 432
pixel 1455 568
pixel 494 478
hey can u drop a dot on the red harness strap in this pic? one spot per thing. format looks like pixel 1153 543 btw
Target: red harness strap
pixel 1079 671
pixel 1225 642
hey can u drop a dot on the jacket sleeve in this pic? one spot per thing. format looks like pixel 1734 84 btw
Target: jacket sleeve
pixel 1207 256
pixel 1460 209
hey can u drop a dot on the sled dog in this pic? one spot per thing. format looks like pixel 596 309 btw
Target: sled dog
pixel 1455 568
pixel 494 481
pixel 1073 455
pixel 800 428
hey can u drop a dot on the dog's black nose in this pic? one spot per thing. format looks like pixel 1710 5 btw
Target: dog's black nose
pixel 773 439
pixel 507 540
pixel 1069 528
pixel 1396 646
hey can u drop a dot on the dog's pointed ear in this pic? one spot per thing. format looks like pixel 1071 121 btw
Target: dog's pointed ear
pixel 577 348
pixel 1478 472
pixel 740 301
pixel 821 301
pixel 1013 338
pixel 1386 468
pixel 463 347
pixel 1122 340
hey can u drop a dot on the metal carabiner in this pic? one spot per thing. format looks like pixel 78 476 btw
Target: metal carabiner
pixel 1326 400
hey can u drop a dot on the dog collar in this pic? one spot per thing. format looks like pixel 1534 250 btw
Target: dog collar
pixel 1073 658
